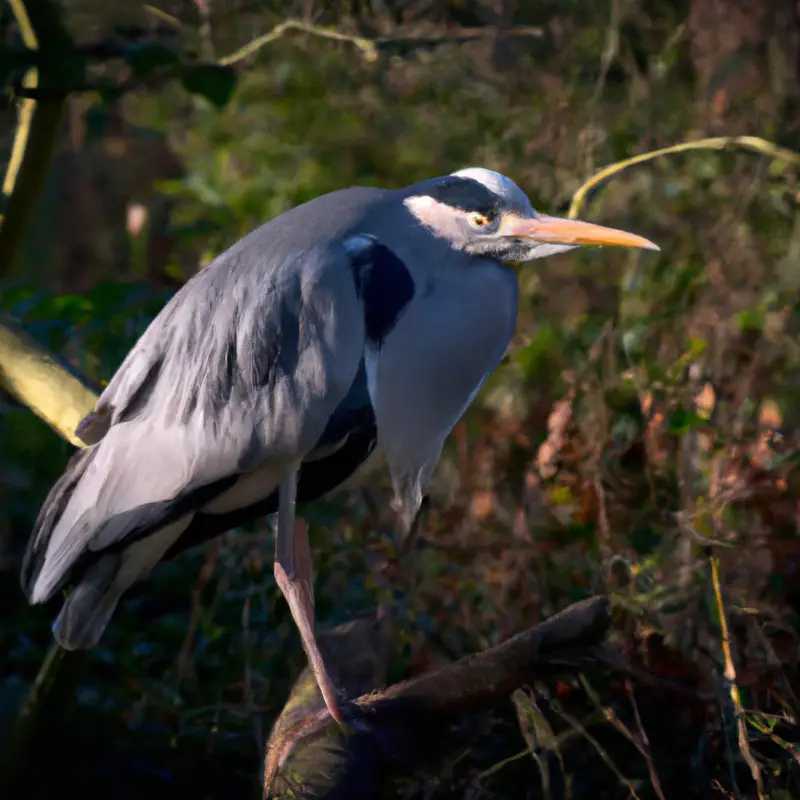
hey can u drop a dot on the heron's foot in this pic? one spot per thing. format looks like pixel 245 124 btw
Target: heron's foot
pixel 296 583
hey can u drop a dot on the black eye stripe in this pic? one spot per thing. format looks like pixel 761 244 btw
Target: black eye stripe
pixel 466 194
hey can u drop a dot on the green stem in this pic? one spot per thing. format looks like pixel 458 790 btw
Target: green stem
pixel 38 124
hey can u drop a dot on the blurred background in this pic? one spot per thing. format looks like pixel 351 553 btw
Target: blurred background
pixel 645 416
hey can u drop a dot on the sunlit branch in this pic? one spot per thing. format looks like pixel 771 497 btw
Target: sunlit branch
pixel 38 124
pixel 753 143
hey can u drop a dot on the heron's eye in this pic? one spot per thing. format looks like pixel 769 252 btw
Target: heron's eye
pixel 478 220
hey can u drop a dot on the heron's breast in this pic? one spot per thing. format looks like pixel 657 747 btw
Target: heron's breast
pixel 443 348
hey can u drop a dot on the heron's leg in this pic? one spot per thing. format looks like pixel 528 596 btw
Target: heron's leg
pixel 294 576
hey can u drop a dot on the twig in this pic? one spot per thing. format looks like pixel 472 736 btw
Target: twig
pixel 459 36
pixel 610 51
pixel 495 768
pixel 26 107
pixel 196 607
pixel 371 47
pixel 730 677
pixel 39 687
pixel 367 46
pixel 639 739
pixel 753 143
pixel 109 50
pixel 538 734
pixel 23 731
pixel 686 524
pixel 575 724
pixel 38 125
pixel 163 16
pixel 645 749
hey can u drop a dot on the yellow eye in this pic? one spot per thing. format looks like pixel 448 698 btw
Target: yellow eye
pixel 478 220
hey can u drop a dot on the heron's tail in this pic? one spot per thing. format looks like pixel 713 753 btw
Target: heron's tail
pixel 49 516
pixel 90 606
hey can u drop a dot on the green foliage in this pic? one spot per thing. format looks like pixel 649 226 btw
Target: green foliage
pixel 682 421
pixel 147 57
pixel 638 474
pixel 215 83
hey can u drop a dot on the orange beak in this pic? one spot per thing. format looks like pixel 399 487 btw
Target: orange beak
pixel 555 230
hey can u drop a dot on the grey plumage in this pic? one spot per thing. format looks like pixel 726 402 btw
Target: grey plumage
pixel 421 383
pixel 225 359
pixel 266 380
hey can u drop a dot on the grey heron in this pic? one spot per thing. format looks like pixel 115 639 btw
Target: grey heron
pixel 362 316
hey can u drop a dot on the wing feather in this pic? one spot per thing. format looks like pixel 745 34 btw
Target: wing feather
pixel 233 373
pixel 348 441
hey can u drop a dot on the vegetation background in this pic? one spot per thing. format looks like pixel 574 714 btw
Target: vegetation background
pixel 641 433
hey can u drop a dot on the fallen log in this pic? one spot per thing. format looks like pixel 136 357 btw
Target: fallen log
pixel 397 729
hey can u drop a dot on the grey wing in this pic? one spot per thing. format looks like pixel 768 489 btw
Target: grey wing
pixel 239 370
pixel 343 456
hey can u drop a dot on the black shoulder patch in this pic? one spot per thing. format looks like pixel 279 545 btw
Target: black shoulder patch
pixel 465 194
pixel 385 287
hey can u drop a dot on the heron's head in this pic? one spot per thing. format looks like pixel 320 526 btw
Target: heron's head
pixel 482 212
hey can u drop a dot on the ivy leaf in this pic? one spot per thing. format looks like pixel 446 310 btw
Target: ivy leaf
pixel 751 319
pixel 144 59
pixel 683 420
pixel 215 83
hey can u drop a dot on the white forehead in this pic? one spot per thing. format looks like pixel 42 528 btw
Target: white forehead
pixel 499 184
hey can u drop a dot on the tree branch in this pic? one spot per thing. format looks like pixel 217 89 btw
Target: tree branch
pixel 38 125
pixel 406 725
pixel 753 143
pixel 36 378
pixel 371 47
pixel 367 46
pixel 27 370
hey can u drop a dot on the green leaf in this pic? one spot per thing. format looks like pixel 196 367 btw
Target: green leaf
pixel 697 346
pixel 533 724
pixel 750 319
pixel 148 57
pixel 623 398
pixel 683 420
pixel 214 82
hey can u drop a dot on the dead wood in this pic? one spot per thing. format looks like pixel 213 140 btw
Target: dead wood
pixel 398 729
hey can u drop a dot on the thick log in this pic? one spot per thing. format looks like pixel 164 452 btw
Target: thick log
pixel 404 726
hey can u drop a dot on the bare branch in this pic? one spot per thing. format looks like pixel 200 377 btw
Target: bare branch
pixel 37 126
pixel 367 46
pixel 730 680
pixel 371 47
pixel 753 143
pixel 34 376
